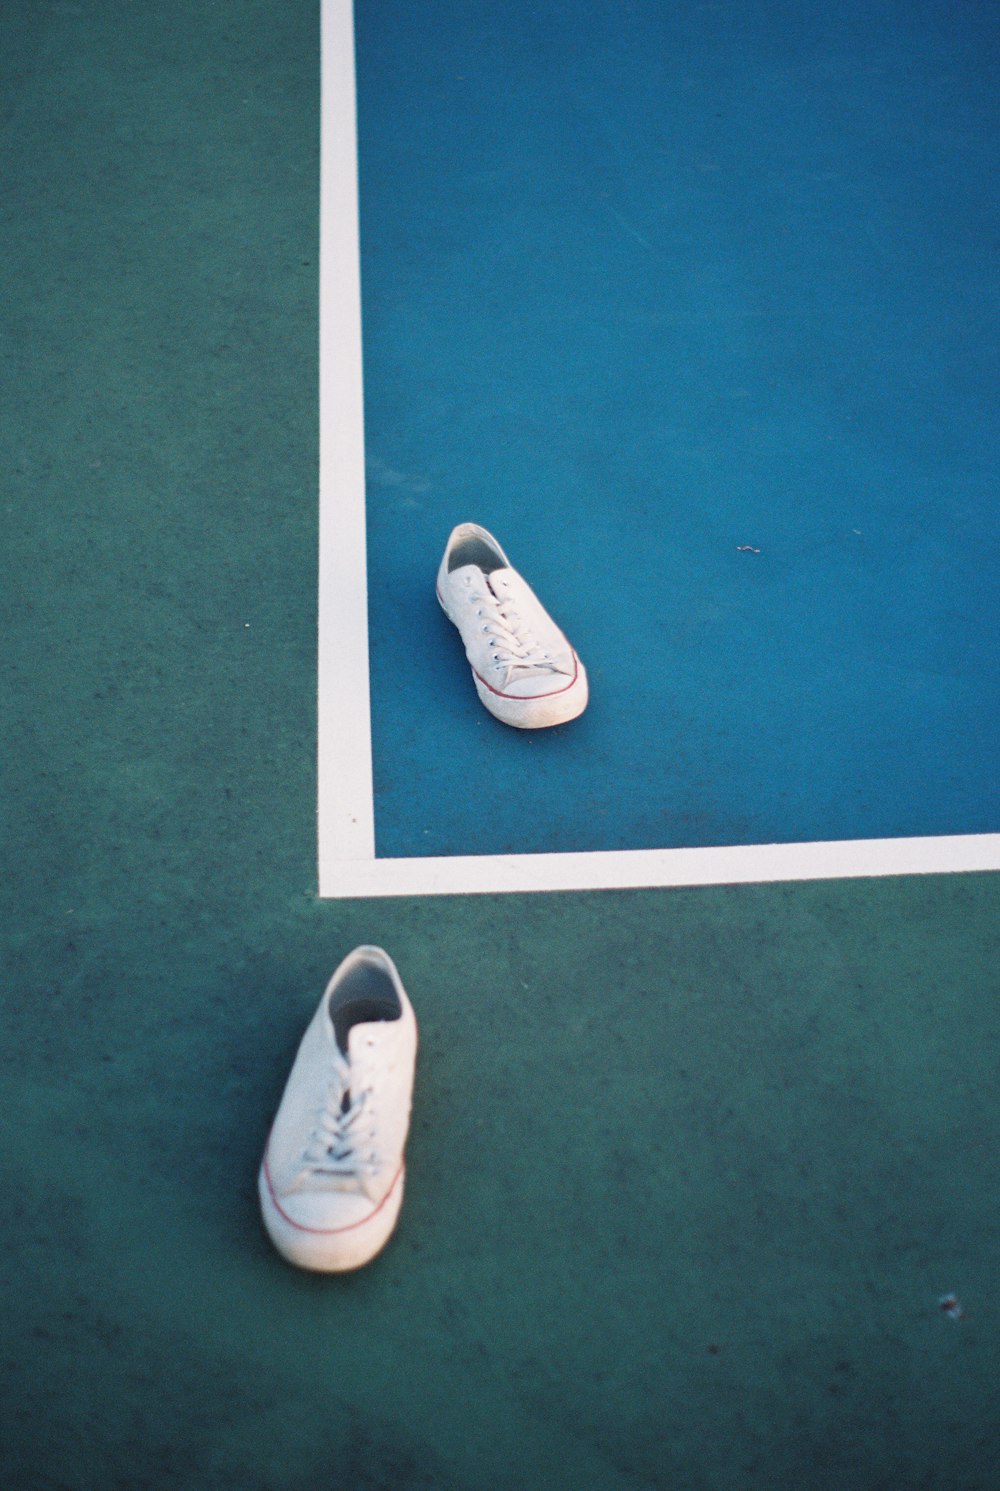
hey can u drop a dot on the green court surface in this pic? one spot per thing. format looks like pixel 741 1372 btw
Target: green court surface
pixel 690 1169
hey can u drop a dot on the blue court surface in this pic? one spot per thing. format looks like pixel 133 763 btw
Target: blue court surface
pixel 695 308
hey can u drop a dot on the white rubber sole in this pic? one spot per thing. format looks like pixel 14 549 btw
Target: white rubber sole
pixel 330 1250
pixel 538 713
pixel 557 708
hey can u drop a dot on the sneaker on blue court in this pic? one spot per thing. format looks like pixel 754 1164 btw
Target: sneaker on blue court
pixel 331 1181
pixel 525 671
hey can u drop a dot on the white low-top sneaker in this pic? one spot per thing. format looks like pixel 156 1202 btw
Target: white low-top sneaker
pixel 524 669
pixel 331 1181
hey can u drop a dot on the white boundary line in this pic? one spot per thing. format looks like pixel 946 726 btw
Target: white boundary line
pixel 346 799
pixel 648 868
pixel 346 815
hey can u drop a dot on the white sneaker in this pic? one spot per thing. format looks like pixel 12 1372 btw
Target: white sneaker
pixel 524 669
pixel 331 1182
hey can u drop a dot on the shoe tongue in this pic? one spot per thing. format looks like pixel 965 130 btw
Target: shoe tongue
pixel 361 1037
pixel 498 581
pixel 467 571
pixel 489 579
pixel 495 580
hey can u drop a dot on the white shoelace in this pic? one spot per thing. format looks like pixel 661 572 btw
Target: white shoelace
pixel 337 1146
pixel 515 646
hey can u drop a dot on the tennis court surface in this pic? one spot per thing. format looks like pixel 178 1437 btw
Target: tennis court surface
pixel 697 313
pixel 691 1168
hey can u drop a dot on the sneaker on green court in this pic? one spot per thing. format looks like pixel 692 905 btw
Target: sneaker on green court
pixel 331 1181
pixel 524 669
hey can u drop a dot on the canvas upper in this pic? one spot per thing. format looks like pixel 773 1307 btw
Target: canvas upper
pixel 333 1172
pixel 524 668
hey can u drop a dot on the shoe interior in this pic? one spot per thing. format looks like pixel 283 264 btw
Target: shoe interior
pixel 366 993
pixel 475 551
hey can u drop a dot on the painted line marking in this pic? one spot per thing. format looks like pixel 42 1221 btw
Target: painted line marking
pixel 346 806
pixel 635 869
pixel 346 810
